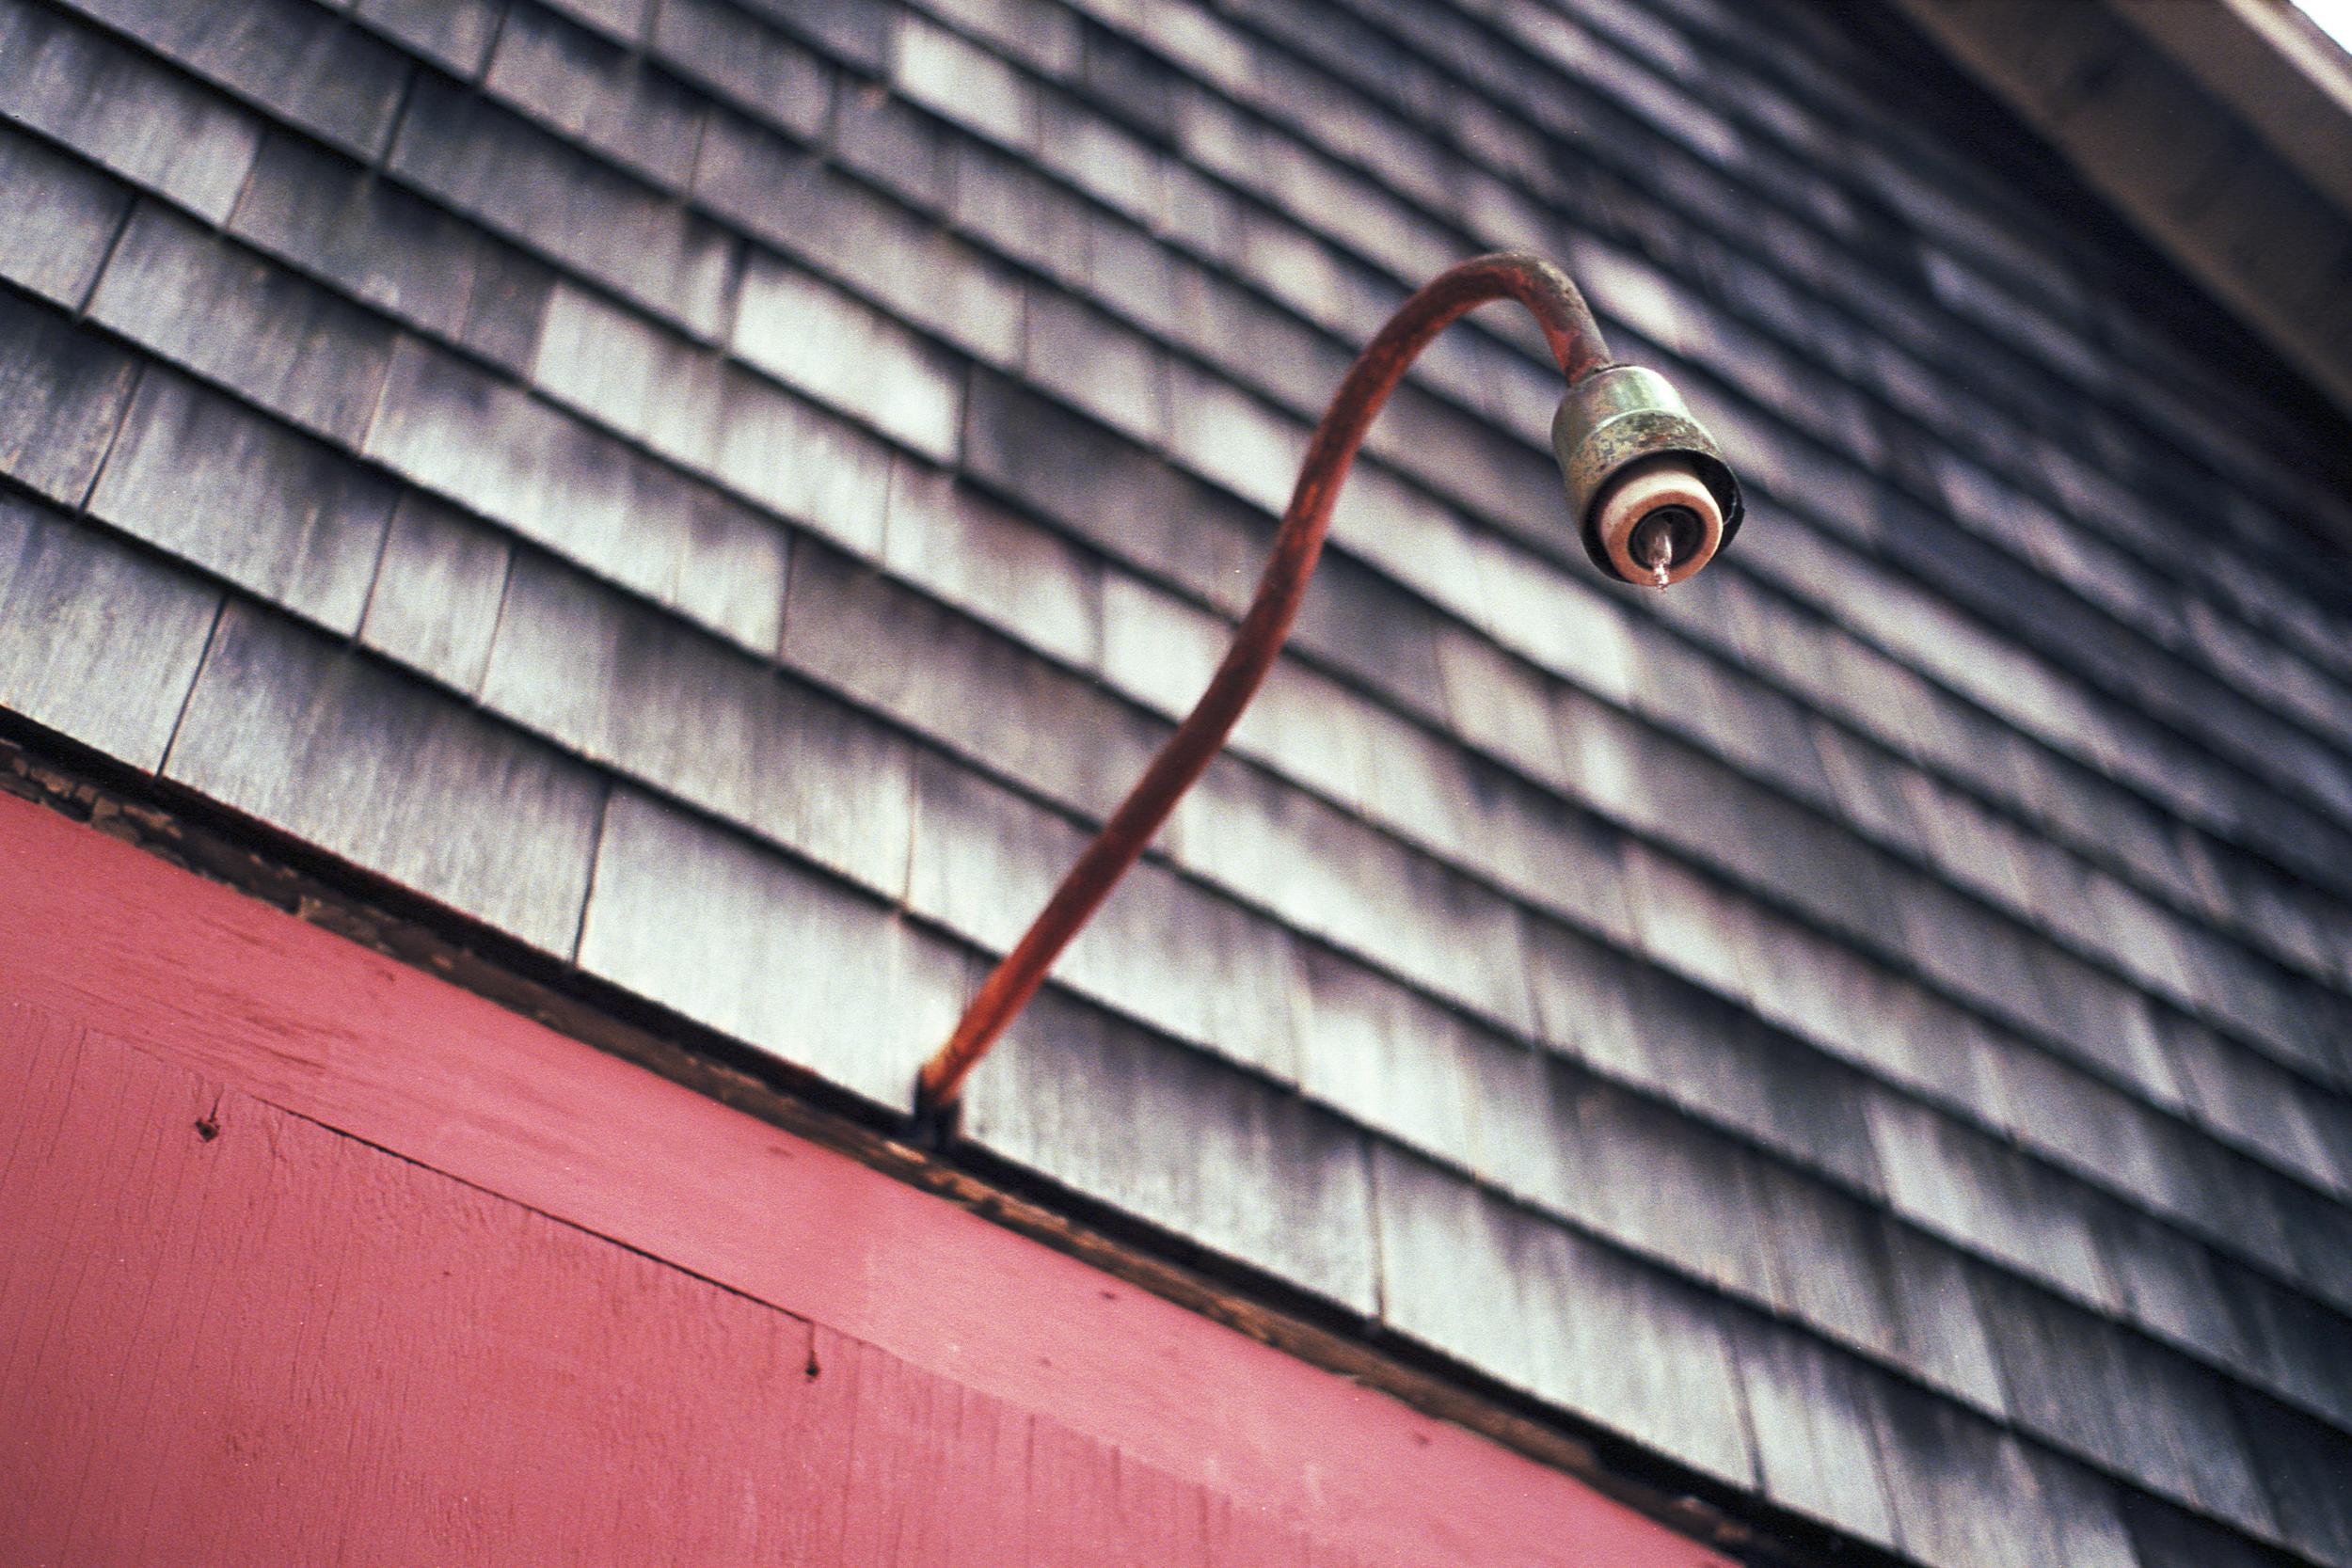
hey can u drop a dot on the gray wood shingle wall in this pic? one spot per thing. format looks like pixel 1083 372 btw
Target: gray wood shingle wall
pixel 725 491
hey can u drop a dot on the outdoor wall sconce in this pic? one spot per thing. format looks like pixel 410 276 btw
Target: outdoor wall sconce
pixel 1648 487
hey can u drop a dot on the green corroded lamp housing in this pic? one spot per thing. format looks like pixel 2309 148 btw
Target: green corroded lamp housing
pixel 1650 489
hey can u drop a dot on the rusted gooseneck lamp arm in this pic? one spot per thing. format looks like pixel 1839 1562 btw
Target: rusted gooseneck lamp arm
pixel 1576 343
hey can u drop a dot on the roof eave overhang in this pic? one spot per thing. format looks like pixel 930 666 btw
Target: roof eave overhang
pixel 2222 131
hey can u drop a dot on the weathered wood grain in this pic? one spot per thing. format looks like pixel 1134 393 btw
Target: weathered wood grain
pixel 994 564
pixel 644 694
pixel 980 692
pixel 812 336
pixel 305 63
pixel 449 427
pixel 1527 1300
pixel 435 602
pixel 2067 1371
pixel 297 349
pixel 453 34
pixel 1962 1184
pixel 381 245
pixel 984 859
pixel 117 107
pixel 96 641
pixel 2302 1464
pixel 1113 491
pixel 1815 1449
pixel 757 66
pixel 1967 1491
pixel 520 181
pixel 206 479
pixel 1324 870
pixel 767 951
pixel 327 743
pixel 597 93
pixel 66 215
pixel 1175 1138
pixel 2166 1537
pixel 62 393
pixel 1404 1067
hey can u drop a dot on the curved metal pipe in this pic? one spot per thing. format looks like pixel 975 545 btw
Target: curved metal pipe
pixel 1576 342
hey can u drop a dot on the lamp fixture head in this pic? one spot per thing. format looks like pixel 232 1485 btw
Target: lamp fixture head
pixel 1650 491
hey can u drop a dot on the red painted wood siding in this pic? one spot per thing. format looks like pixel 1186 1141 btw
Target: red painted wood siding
pixel 444 1286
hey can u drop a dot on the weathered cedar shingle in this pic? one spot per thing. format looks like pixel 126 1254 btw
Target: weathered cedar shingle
pixel 514 178
pixel 767 951
pixel 66 215
pixel 857 30
pixel 968 552
pixel 1185 1142
pixel 2069 1376
pixel 967 84
pixel 899 148
pixel 295 348
pixel 1108 490
pixel 630 688
pixel 2319 1230
pixel 326 744
pixel 1083 355
pixel 1196 965
pixel 1648 1179
pixel 1542 1308
pixel 823 342
pixel 984 861
pixel 1017 212
pixel 62 393
pixel 2173 1286
pixel 1962 1184
pixel 976 691
pixel 449 427
pixel 378 243
pixel 1217 317
pixel 596 92
pixel 1232 438
pixel 1492 701
pixel 782 192
pixel 1365 627
pixel 507 306
pixel 1967 1491
pixel 299 59
pixel 2302 1464
pixel 453 34
pixel 1407 1068
pixel 122 110
pixel 1329 874
pixel 630 375
pixel 276 512
pixel 1815 1449
pixel 1114 167
pixel 755 65
pixel 2167 1537
pixel 435 600
pixel 97 640
pixel 624 21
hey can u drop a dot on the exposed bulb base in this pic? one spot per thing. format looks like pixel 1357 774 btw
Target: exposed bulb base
pixel 1657 521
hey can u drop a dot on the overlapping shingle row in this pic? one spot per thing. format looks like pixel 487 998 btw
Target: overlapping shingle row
pixel 724 492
